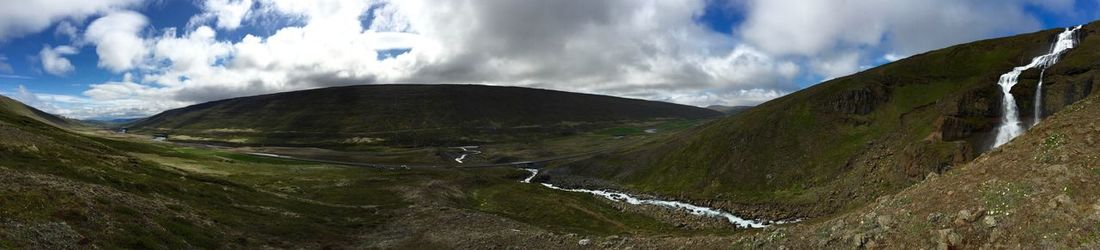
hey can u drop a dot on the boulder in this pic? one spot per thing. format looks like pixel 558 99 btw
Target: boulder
pixel 989 221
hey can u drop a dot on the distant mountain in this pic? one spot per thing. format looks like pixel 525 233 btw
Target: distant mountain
pixel 408 115
pixel 843 142
pixel 110 122
pixel 729 110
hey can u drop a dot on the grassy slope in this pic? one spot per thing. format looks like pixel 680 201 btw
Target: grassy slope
pixel 808 148
pixel 19 108
pixel 1038 191
pixel 64 190
pixel 409 114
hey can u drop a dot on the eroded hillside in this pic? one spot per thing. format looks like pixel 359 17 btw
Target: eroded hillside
pixel 841 143
pixel 1037 192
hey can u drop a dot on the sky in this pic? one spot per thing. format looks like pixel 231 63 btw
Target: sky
pixel 107 59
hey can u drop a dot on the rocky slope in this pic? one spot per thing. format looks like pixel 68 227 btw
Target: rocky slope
pixel 841 143
pixel 1040 191
pixel 410 115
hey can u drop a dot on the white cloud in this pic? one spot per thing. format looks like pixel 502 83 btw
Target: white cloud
pixel 893 57
pixel 227 13
pixel 909 26
pixel 19 18
pixel 605 47
pixel 190 55
pixel 4 66
pixel 608 47
pixel 836 65
pixel 20 77
pixel 117 40
pixel 53 62
pixel 68 30
pixel 88 108
pixel 817 29
pixel 651 49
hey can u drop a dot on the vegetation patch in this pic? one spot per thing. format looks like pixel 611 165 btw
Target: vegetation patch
pixel 531 203
pixel 1049 147
pixel 1001 197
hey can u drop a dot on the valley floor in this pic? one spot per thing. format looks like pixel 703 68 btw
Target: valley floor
pixel 153 194
pixel 1038 191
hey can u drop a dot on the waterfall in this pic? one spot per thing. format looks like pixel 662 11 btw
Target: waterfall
pixel 1010 124
pixel 1066 40
pixel 1039 100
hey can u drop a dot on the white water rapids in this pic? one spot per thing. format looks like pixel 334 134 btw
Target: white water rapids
pixel 693 209
pixel 466 151
pixel 1010 124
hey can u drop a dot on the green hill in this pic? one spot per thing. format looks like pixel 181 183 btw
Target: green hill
pixel 63 190
pixel 60 189
pixel 409 115
pixel 1037 192
pixel 18 108
pixel 843 142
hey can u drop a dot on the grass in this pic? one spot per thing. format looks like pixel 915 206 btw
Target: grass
pixel 1049 147
pixel 160 196
pixel 793 149
pixel 622 131
pixel 126 183
pixel 1002 197
pixel 570 211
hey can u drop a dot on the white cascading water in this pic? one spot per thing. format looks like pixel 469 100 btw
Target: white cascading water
pixel 1010 125
pixel 1038 100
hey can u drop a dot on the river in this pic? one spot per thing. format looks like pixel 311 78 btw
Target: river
pixel 690 208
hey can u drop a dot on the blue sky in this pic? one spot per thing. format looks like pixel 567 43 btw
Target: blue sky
pixel 697 52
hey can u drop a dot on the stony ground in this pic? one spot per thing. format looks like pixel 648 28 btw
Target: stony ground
pixel 1039 191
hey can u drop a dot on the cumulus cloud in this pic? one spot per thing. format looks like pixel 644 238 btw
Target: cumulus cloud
pixel 80 107
pixel 117 39
pixel 53 62
pixel 836 64
pixel 25 17
pixel 68 30
pixel 650 49
pixel 4 66
pixel 227 14
pixel 816 29
pixel 610 47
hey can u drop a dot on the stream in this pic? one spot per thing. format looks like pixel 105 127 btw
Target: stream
pixel 466 151
pixel 690 208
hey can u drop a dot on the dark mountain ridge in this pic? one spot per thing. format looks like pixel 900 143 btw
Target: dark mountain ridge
pixel 409 114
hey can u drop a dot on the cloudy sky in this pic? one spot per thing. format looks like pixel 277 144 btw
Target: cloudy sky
pixel 133 58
